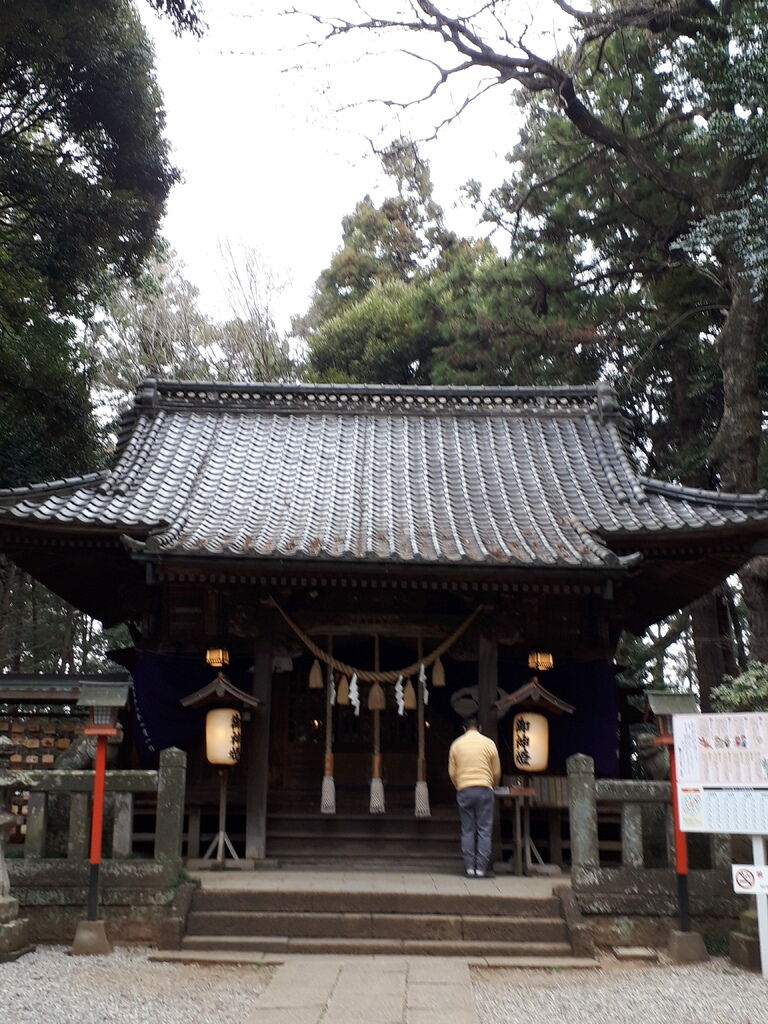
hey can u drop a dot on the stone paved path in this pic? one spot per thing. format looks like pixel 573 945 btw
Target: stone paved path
pixel 387 990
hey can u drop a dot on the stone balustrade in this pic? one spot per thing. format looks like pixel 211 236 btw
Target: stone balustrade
pixel 136 891
pixel 641 879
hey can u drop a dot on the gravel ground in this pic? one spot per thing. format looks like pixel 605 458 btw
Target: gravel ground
pixel 713 993
pixel 51 987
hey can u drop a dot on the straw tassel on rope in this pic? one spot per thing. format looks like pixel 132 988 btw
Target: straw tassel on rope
pixel 376 702
pixel 316 676
pixel 421 807
pixel 409 696
pixel 328 789
pixel 342 693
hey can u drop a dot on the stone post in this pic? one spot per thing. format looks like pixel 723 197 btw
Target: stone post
pixel 582 810
pixel 171 790
pixel 13 929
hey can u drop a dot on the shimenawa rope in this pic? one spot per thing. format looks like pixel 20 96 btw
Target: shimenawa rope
pixel 372 676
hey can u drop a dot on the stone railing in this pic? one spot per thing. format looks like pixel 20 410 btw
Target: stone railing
pixel 50 878
pixel 643 881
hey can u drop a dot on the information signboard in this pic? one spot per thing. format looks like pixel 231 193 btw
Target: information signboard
pixel 722 772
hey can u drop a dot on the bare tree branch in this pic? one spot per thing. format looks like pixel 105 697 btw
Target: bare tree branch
pixel 517 61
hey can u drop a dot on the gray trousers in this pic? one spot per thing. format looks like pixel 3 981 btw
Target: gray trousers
pixel 476 806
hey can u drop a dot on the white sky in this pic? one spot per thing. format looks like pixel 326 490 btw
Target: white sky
pixel 270 160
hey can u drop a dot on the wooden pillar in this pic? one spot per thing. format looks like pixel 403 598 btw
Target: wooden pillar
pixel 488 682
pixel 257 776
pixel 487 685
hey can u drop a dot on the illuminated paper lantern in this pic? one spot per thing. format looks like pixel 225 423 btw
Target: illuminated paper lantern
pixel 540 661
pixel 217 657
pixel 530 742
pixel 223 735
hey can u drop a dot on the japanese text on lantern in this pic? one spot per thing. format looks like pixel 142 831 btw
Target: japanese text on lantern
pixel 522 740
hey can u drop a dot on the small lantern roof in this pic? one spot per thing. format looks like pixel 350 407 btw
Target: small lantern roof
pixel 216 691
pixel 107 694
pixel 533 695
pixel 671 702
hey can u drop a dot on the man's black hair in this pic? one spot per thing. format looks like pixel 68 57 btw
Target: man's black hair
pixel 471 723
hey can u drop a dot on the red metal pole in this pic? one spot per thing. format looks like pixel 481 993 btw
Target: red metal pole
pixel 97 826
pixel 681 848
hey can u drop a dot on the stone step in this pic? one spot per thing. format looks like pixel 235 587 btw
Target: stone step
pixel 371 901
pixel 383 827
pixel 263 958
pixel 238 924
pixel 360 835
pixel 398 847
pixel 396 815
pixel 388 946
pixel 371 862
pixel 481 904
pixel 359 813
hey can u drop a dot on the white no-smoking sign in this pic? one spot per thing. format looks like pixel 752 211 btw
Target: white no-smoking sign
pixel 749 879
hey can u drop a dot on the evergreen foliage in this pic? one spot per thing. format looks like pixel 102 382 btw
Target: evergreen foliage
pixel 747 692
pixel 84 174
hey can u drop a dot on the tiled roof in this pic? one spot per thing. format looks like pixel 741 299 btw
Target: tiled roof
pixel 529 477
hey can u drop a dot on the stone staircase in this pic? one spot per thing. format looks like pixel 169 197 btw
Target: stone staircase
pixel 308 920
pixel 358 841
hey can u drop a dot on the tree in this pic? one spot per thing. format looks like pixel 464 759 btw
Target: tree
pixel 397 241
pixel 84 174
pixel 185 15
pixel 379 338
pixel 148 327
pixel 152 326
pixel 703 152
pixel 716 58
pixel 748 692
pixel 41 633
pixel 250 345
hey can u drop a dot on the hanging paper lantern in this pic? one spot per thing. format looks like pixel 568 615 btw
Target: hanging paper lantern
pixel 315 676
pixel 217 657
pixel 223 735
pixel 342 693
pixel 409 696
pixel 541 661
pixel 530 742
pixel 438 674
pixel 377 700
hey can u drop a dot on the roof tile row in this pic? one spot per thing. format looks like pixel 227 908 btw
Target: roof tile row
pixel 525 477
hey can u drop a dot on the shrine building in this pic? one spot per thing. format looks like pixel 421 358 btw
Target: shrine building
pixel 376 562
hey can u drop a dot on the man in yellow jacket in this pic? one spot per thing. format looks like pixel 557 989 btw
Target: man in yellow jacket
pixel 474 768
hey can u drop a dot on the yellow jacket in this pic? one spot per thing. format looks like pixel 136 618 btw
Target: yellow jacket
pixel 473 760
